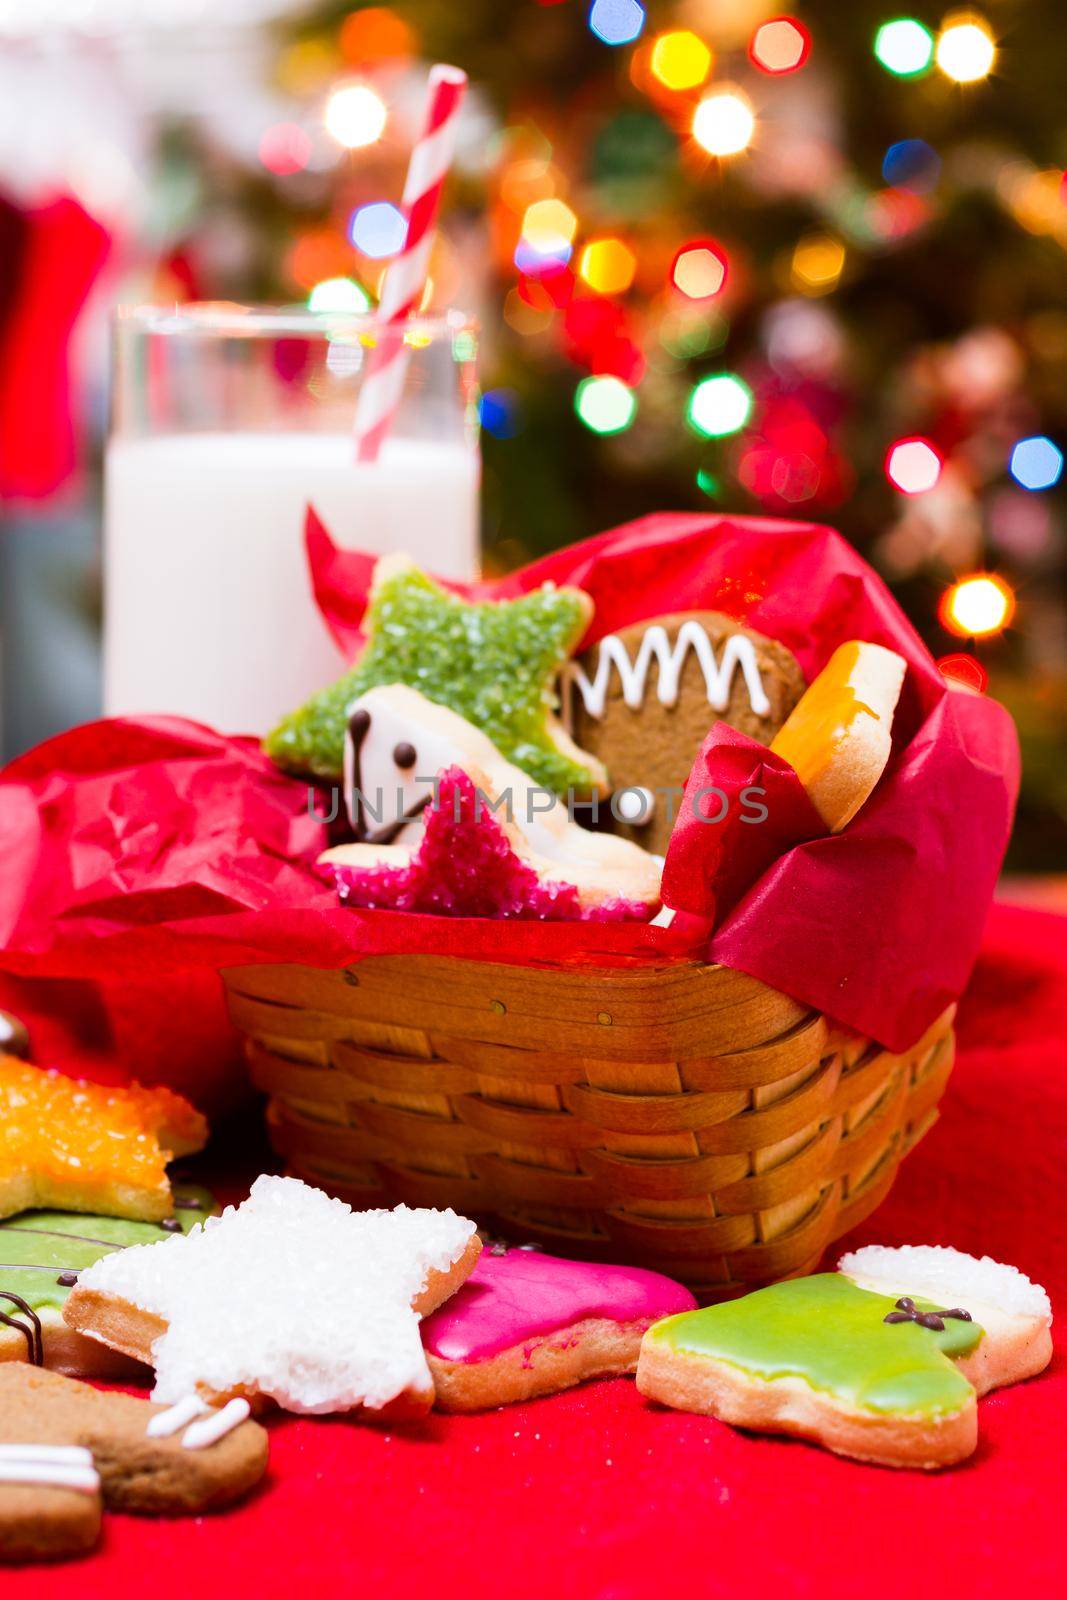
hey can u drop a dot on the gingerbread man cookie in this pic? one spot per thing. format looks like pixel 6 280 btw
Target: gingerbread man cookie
pixel 68 1450
pixel 883 1360
pixel 527 1324
pixel 642 701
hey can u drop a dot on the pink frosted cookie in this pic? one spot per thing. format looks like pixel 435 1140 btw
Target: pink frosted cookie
pixel 526 1324
pixel 468 862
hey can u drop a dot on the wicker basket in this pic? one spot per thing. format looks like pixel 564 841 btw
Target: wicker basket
pixel 685 1117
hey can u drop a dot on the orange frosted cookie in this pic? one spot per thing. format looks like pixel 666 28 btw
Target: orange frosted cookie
pixel 88 1147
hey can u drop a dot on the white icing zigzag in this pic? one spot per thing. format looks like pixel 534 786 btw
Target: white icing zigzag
pixel 738 651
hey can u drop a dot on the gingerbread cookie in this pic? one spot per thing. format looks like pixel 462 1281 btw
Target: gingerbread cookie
pixel 67 1450
pixel 492 662
pixel 88 1147
pixel 527 1324
pixel 642 701
pixel 41 1255
pixel 882 1360
pixel 292 1296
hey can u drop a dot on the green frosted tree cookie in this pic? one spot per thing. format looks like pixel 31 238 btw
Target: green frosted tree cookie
pixel 493 662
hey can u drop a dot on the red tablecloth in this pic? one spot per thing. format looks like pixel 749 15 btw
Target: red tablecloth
pixel 596 1494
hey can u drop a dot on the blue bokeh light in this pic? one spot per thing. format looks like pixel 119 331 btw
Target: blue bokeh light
pixel 377 229
pixel 500 413
pixel 616 21
pixel 911 164
pixel 1036 463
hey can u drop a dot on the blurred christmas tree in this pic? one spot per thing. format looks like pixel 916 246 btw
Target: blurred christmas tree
pixel 808 265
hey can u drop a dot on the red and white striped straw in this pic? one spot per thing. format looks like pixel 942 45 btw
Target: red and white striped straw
pixel 405 280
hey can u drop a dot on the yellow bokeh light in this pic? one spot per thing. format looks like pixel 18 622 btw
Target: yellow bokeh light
pixel 818 262
pixel 724 122
pixel 965 49
pixel 355 116
pixel 699 272
pixel 977 606
pixel 608 266
pixel 549 226
pixel 680 60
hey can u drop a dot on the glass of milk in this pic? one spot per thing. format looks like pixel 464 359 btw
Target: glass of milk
pixel 228 423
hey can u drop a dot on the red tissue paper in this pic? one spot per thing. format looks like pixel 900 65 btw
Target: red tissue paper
pixel 140 857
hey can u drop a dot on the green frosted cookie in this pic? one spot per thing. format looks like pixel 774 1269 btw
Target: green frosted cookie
pixel 41 1254
pixel 493 662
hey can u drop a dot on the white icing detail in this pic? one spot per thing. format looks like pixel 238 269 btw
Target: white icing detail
pixel 738 651
pixel 635 804
pixel 217 1425
pixel 603 866
pixel 663 918
pixel 57 1466
pixel 175 1418
pixel 939 1272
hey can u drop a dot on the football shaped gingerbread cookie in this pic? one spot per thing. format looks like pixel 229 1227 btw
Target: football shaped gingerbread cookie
pixel 527 1324
pixel 642 701
pixel 67 1450
pixel 883 1360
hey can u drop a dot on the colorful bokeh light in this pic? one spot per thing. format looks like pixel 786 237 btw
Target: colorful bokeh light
pixel 375 34
pixel 818 262
pixel 608 266
pixel 377 229
pixel 355 116
pixel 720 405
pixel 780 45
pixel 911 164
pixel 339 295
pixel 913 465
pixel 699 269
pixel 549 226
pixel 500 413
pixel 977 606
pixel 1036 463
pixel 285 148
pixel 605 404
pixel 724 122
pixel 616 21
pixel 966 50
pixel 680 60
pixel 904 47
pixel 964 671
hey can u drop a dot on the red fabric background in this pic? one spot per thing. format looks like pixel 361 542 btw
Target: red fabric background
pixel 598 1495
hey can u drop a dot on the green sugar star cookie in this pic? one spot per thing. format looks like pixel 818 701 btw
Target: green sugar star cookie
pixel 492 662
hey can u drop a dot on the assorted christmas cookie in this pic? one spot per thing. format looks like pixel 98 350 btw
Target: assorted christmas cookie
pixel 882 1360
pixel 527 1324
pixel 642 701
pixel 87 1147
pixel 291 1296
pixel 67 1450
pixel 41 1256
pixel 444 824
pixel 838 739
pixel 493 662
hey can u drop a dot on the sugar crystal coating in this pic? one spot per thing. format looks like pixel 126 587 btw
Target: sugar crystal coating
pixel 946 1275
pixel 292 1295
pixel 493 662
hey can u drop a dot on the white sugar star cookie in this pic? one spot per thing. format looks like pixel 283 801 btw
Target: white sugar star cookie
pixel 292 1296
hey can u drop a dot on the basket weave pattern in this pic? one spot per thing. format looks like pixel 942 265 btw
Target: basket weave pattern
pixel 683 1117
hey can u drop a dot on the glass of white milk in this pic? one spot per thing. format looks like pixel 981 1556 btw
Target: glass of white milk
pixel 227 424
